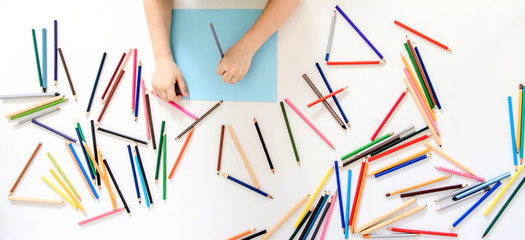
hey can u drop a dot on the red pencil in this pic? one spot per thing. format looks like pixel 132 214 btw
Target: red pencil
pixel 441 45
pixel 113 77
pixel 388 115
pixel 356 195
pixel 133 80
pixel 110 95
pixel 327 96
pixel 180 154
pixel 419 139
pixel 355 63
pixel 422 232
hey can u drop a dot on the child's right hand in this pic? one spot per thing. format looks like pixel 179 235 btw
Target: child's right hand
pixel 165 75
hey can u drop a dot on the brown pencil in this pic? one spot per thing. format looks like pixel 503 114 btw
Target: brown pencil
pixel 220 150
pixel 67 74
pixel 25 168
pixel 152 132
pixel 410 194
pixel 110 95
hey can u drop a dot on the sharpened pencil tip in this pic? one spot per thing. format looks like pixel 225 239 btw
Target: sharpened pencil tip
pixel 87 114
pixel 269 196
pixel 343 126
pixel 299 163
pixel 273 170
pixel 388 194
pixel 451 228
pixel 156 181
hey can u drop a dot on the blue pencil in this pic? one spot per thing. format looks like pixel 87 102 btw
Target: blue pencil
pixel 88 163
pixel 330 90
pixel 95 84
pixel 481 186
pixel 44 59
pixel 475 205
pixel 339 193
pixel 247 186
pixel 348 188
pixel 512 136
pixel 428 78
pixel 56 52
pixel 417 159
pixel 83 170
pixel 360 33
pixel 137 91
pixel 134 174
pixel 144 191
pixel 315 216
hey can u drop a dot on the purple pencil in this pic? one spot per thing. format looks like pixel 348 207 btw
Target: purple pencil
pixel 56 54
pixel 53 130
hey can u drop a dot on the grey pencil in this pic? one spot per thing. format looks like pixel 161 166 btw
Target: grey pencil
pixel 450 204
pixel 325 103
pixel 450 195
pixel 29 95
pixel 330 37
pixel 29 117
pixel 216 39
pixel 198 120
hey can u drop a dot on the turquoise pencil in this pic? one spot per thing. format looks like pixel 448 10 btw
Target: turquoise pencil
pixel 44 59
pixel 512 136
pixel 141 178
pixel 349 184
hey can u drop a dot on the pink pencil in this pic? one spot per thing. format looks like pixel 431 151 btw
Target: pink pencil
pixel 309 123
pixel 133 89
pixel 460 173
pixel 143 91
pixel 388 115
pixel 177 106
pixel 421 100
pixel 100 216
pixel 328 216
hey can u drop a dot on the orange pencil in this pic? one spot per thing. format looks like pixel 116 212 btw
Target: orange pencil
pixel 327 96
pixel 418 88
pixel 180 154
pixel 240 235
pixel 359 197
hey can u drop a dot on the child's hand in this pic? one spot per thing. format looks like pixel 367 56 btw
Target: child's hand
pixel 165 75
pixel 235 63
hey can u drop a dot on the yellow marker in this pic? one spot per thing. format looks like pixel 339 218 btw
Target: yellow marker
pixel 500 194
pixel 314 196
pixel 59 192
pixel 67 190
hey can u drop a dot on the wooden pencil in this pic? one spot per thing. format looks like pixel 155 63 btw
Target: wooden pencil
pixel 325 103
pixel 512 135
pixel 290 134
pixel 418 185
pixel 453 203
pixel 356 62
pixel 94 138
pixel 216 40
pixel 36 110
pixel 150 119
pixel 246 185
pixel 243 157
pixel 30 117
pixel 55 55
pixel 422 35
pixel 360 180
pixel 159 152
pixel 400 140
pixel 432 190
pixel 134 82
pixel 303 221
pixel 394 219
pixel 135 110
pixel 458 173
pixel 25 167
pixel 480 187
pixel 34 199
pixel 329 44
pixel 199 119
pixel 373 142
pixel 134 173
pixel 323 215
pixel 419 71
pixel 34 106
pixel 314 195
pixel 426 75
pixel 81 169
pixel 220 150
pixel 417 88
pixel 59 192
pixel 327 96
pixel 314 216
pixel 404 230
pixel 144 190
pixel 389 114
pixel 122 135
pixel 443 154
pixel 240 235
pixel 419 139
pixel 338 181
pixel 101 216
pixel 95 84
pixel 285 217
pixel 110 95
pixel 99 170
pixel 503 190
pixel 263 145
pixel 112 77
pixel 64 176
pixel 420 96
pixel 67 74
pixel 116 185
pixel 119 68
pixel 92 170
pixel 328 216
pixel 402 165
pixel 475 205
pixel 385 215
pixel 71 196
pixel 354 212
pixel 35 46
pixel 320 70
pixel 143 173
pixel 53 130
pixel 520 113
pixel 179 157
pixel 404 160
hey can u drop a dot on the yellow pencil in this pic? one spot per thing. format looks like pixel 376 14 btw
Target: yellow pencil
pixel 518 133
pixel 314 196
pixel 427 105
pixel 418 185
pixel 500 194
pixel 67 190
pixel 59 192
pixel 443 154
pixel 64 176
pixel 400 162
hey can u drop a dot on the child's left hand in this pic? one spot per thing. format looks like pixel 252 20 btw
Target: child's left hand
pixel 235 63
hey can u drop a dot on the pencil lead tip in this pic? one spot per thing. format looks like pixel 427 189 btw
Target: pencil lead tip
pixel 269 196
pixel 299 163
pixel 388 194
pixel 343 126
pixel 484 235
pixel 273 170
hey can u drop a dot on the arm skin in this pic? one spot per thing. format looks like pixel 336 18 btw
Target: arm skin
pixel 236 61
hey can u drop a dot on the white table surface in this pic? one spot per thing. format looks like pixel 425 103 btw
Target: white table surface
pixel 472 83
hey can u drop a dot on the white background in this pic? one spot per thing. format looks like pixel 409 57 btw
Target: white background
pixel 472 84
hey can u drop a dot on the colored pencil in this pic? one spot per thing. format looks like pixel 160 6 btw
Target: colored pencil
pixel 29 95
pixel 385 215
pixel 323 215
pixel 338 180
pixel 39 109
pixel 420 96
pixel 356 210
pixel 255 235
pixel 419 139
pixel 25 168
pixel 327 96
pixel 314 195
pixel 216 40
pixel 285 217
pixel 134 81
pixel 394 219
pixel 247 185
pixel 98 155
pixel 81 169
pixel 63 176
pixel 426 76
pixel 432 190
pixel 311 223
pixel 397 235
pixel 146 114
pixel 159 152
pixel 481 186
pixel 59 192
pixel 92 170
pixel 520 113
pixel 358 188
pixel 137 94
pixel 35 46
pixel 389 114
pixel 199 119
pixel 404 230
pixel 348 191
pixel 454 193
pixel 120 68
pixel 417 88
pixel 67 75
pixel 100 216
pixel 220 150
pixel 143 171
pixel 164 167
pixel 240 235
pixel 355 63
pixel 53 130
pixel 55 61
pixel 139 170
pixel 330 35
pixel 330 90
pixel 116 185
pixel 309 123
pixel 444 155
pixel 71 196
pixel 452 203
pixel 263 145
pixel 113 76
pixel 290 134
pixel 34 199
pixel 328 216
pixel 397 163
pixel 243 156
pixel 522 137
pixel 177 107
pixel 311 219
pixel 398 141
pixel 110 95
pixel 179 157
pixel 512 136
pixel 505 188
pixel 475 205
pixel 44 59
pixel 134 173
pixel 302 223
pixel 104 178
pixel 122 135
pixel 34 106
pixel 94 138
pixel 402 165
pixel 419 72
pixel 325 103
pixel 418 185
pixel 461 173
pixel 96 83
pixel 359 32
pixel 422 35
pixel 150 118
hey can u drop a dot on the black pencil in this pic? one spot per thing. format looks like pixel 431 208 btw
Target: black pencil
pixel 143 174
pixel 198 120
pixel 263 145
pixel 67 74
pixel 400 140
pixel 302 223
pixel 95 149
pixel 255 235
pixel 321 219
pixel 122 135
pixel 95 84
pixel 432 190
pixel 116 185
pixel 305 230
pixel 151 131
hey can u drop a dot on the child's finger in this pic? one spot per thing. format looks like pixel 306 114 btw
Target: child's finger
pixel 182 86
pixel 163 95
pixel 172 96
pixel 221 68
pixel 226 77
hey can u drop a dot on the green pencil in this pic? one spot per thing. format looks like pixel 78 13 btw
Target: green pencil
pixel 84 140
pixel 38 108
pixel 63 175
pixel 37 60
pixel 419 76
pixel 164 166
pixel 504 206
pixel 366 146
pixel 159 153
pixel 290 133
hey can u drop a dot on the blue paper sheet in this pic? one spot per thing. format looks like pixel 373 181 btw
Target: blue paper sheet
pixel 197 56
